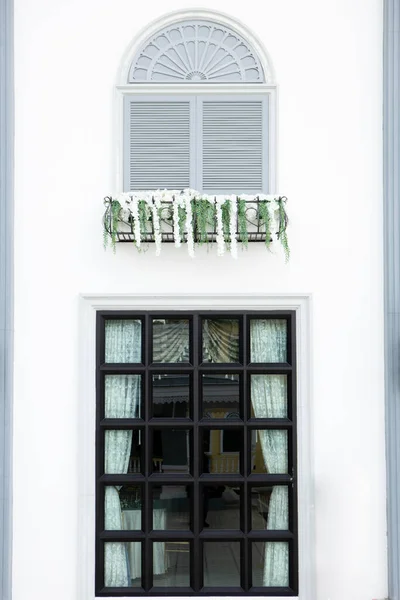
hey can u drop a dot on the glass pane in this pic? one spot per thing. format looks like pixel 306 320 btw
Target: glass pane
pixel 122 451
pixel 268 340
pixel 123 341
pixel 269 451
pixel 222 450
pixel 221 340
pixel 170 340
pixel 270 507
pixel 122 396
pixel 221 398
pixel 221 506
pixel 123 507
pixel 171 395
pixel 268 396
pixel 171 564
pixel 171 451
pixel 221 564
pixel 171 507
pixel 122 564
pixel 270 564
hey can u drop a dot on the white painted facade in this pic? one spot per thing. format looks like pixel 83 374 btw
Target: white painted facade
pixel 327 60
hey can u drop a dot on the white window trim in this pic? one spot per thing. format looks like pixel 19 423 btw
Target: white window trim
pixel 89 305
pixel 122 89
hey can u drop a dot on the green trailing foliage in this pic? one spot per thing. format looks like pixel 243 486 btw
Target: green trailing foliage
pixel 204 216
pixel 115 211
pixel 226 215
pixel 144 214
pixel 242 223
pixel 265 219
pixel 283 221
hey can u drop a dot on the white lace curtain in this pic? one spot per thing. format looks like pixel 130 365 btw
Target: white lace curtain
pixel 221 340
pixel 269 400
pixel 122 400
pixel 171 341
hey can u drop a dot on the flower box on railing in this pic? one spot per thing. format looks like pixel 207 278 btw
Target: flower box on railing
pixel 193 218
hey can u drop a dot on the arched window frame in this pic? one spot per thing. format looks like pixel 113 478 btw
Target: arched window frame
pixel 268 89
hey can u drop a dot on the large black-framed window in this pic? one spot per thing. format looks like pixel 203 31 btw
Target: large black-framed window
pixel 194 475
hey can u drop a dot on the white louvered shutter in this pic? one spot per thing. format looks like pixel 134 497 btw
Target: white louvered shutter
pixel 158 144
pixel 234 145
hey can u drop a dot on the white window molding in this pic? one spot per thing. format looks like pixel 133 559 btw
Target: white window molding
pixel 89 305
pixel 268 89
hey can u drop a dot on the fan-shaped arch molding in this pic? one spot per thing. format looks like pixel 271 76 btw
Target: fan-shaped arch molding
pixel 196 51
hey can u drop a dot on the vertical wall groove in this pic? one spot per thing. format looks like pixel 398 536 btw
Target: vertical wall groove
pixel 391 182
pixel 6 289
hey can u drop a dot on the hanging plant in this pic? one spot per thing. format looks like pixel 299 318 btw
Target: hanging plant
pixel 265 219
pixel 242 223
pixel 191 217
pixel 204 211
pixel 115 210
pixel 179 219
pixel 233 225
pixel 144 215
pixel 283 222
pixel 226 219
pixel 155 206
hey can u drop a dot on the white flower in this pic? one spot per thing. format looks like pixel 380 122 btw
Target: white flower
pixel 136 221
pixel 273 210
pixel 124 199
pixel 156 223
pixel 154 202
pixel 176 204
pixel 189 224
pixel 233 225
pixel 220 232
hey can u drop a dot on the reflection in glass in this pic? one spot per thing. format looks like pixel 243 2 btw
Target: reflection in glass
pixel 270 507
pixel 122 451
pixel 171 451
pixel 221 397
pixel 122 564
pixel 268 396
pixel 221 506
pixel 222 450
pixel 171 564
pixel 171 507
pixel 123 341
pixel 270 564
pixel 268 341
pixel 221 564
pixel 269 451
pixel 171 396
pixel 122 396
pixel 129 515
pixel 221 340
pixel 170 340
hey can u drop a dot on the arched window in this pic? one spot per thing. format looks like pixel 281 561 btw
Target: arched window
pixel 197 108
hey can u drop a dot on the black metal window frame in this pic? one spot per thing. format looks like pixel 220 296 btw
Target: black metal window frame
pixel 195 480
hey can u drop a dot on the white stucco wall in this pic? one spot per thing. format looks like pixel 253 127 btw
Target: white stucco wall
pixel 327 57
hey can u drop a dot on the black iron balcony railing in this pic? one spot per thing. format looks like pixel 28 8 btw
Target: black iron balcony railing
pixel 254 222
